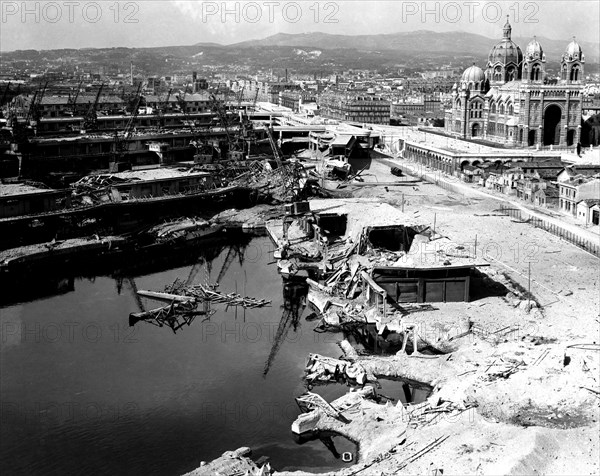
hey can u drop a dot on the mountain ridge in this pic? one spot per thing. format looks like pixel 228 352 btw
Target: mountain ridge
pixel 428 41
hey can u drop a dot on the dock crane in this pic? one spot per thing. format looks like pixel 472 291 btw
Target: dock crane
pixel 35 114
pixel 90 121
pixel 277 154
pixel 182 106
pixel 255 99
pixel 202 155
pixel 6 89
pixel 11 119
pixel 235 152
pixel 118 163
pixel 3 100
pixel 162 108
pixel 74 101
pixel 217 106
pixel 240 97
pixel 247 127
pixel 290 174
pixel 30 111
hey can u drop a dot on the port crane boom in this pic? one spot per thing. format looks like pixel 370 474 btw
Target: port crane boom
pixel 162 107
pixel 74 101
pixel 91 118
pixel 120 150
pixel 35 113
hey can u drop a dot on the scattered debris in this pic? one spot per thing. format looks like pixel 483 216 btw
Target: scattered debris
pixel 183 304
pixel 326 369
pixel 423 451
pixel 175 316
pixel 205 292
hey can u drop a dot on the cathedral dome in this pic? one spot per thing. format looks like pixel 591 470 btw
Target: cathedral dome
pixel 573 51
pixel 534 50
pixel 506 51
pixel 473 74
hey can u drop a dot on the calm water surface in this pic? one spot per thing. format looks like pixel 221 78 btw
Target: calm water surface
pixel 82 392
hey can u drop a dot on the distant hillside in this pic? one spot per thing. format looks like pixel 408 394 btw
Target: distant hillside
pixel 312 53
pixel 414 42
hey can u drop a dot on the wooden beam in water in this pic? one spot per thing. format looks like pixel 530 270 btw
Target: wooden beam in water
pixel 165 296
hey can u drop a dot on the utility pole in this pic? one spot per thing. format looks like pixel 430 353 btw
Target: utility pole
pixel 529 283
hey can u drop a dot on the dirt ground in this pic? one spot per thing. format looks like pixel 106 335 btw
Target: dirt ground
pixel 558 268
pixel 543 418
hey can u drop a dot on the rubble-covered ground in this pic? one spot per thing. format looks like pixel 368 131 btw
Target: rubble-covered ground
pixel 524 390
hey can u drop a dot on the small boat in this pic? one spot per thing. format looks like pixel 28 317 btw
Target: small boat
pixel 184 229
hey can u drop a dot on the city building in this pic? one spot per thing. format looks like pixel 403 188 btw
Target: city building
pixel 351 106
pixel 511 102
pixel 294 99
pixel 63 106
pixel 417 110
pixel 546 197
pixel 588 211
pixel 578 188
pixel 197 102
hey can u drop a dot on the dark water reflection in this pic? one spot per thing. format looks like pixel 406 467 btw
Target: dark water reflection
pixel 82 392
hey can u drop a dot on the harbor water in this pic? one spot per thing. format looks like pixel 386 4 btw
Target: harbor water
pixel 83 392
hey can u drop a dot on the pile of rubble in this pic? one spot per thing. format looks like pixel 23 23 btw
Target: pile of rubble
pixel 283 184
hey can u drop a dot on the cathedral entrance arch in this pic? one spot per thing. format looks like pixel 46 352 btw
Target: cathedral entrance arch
pixel 552 125
pixel 476 130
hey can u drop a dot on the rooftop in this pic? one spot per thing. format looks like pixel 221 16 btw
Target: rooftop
pixel 362 213
pixel 162 173
pixel 590 202
pixel 13 189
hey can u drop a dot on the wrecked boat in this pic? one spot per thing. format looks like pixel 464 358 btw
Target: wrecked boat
pixel 59 252
pixel 184 229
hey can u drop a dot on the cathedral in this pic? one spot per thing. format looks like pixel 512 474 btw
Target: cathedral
pixel 512 102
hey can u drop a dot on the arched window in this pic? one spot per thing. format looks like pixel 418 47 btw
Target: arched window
pixel 493 107
pixel 564 72
pixel 501 109
pixel 535 72
pixel 575 73
pixel 509 109
pixel 498 74
pixel 476 109
pixel 510 74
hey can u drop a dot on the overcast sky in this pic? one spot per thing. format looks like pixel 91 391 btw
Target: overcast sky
pixel 80 23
